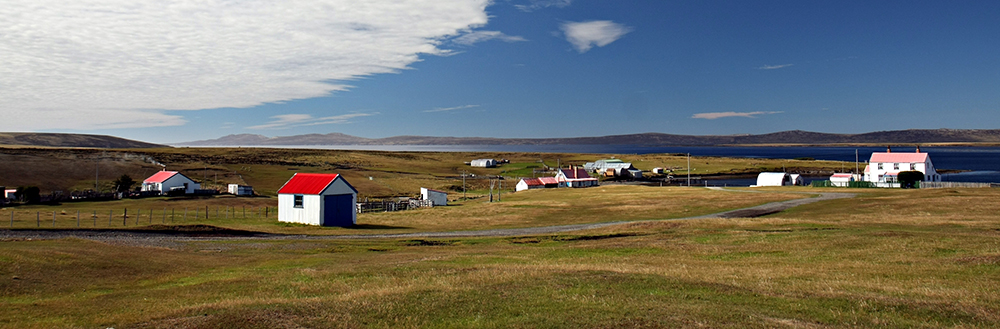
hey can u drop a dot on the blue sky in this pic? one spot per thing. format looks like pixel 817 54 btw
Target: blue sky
pixel 174 71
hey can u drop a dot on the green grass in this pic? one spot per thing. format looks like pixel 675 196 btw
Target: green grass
pixel 818 265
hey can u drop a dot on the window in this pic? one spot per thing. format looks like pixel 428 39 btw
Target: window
pixel 298 201
pixel 913 166
pixel 879 166
pixel 895 166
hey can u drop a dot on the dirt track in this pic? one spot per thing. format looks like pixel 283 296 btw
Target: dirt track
pixel 175 238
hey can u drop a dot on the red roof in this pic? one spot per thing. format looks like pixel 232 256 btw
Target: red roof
pixel 160 177
pixel 548 180
pixel 533 181
pixel 842 175
pixel 898 157
pixel 576 173
pixel 307 183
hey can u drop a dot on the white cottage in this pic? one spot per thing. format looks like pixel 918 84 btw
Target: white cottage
pixel 318 199
pixel 166 181
pixel 438 198
pixel 575 177
pixel 884 167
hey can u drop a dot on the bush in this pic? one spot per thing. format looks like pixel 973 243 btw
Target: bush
pixel 909 179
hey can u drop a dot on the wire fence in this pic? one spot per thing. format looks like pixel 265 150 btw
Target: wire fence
pixel 129 217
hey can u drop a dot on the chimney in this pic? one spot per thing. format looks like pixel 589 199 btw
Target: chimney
pixel 888 149
pixel 918 148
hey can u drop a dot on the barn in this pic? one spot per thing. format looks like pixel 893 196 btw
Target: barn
pixel 318 199
pixel 438 198
pixel 165 182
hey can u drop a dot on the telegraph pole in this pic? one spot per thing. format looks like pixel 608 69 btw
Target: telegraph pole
pixel 465 194
pixel 689 169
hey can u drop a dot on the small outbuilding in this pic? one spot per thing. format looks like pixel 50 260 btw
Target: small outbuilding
pixel 437 198
pixel 166 182
pixel 483 163
pixel 528 184
pixel 240 190
pixel 842 180
pixel 318 199
pixel 774 179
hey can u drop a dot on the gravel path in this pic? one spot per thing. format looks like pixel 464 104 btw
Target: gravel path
pixel 177 239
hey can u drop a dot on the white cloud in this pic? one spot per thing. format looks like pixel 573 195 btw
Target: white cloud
pixel 539 4
pixel 456 108
pixel 717 115
pixel 285 121
pixel 480 36
pixel 586 35
pixel 774 67
pixel 98 64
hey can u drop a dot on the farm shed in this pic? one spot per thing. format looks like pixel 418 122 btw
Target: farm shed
pixel 774 179
pixel 241 190
pixel 796 179
pixel 318 199
pixel 575 177
pixel 483 163
pixel 167 181
pixel 841 180
pixel 438 198
pixel 527 184
pixel 603 166
pixel 634 173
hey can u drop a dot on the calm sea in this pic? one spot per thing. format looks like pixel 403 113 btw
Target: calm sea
pixel 981 164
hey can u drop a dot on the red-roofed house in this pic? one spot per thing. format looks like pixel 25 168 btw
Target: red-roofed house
pixel 884 167
pixel 167 181
pixel 318 199
pixel 575 177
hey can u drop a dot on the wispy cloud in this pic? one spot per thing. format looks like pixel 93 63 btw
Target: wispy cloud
pixel 774 67
pixel 480 36
pixel 285 121
pixel 717 115
pixel 99 64
pixel 539 4
pixel 446 109
pixel 586 35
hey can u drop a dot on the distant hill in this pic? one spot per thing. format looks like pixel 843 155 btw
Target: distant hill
pixel 912 136
pixel 71 140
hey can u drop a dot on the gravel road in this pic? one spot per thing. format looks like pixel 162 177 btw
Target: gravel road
pixel 177 239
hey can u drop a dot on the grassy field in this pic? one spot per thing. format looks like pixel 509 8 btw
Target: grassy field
pixel 522 209
pixel 373 173
pixel 887 258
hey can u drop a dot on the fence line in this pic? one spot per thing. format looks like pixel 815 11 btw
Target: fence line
pixel 956 184
pixel 129 217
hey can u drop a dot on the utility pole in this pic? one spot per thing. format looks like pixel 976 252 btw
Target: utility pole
pixel 689 169
pixel 465 195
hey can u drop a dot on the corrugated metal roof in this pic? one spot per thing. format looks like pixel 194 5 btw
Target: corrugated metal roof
pixel 576 173
pixel 898 157
pixel 843 175
pixel 548 180
pixel 533 181
pixel 160 177
pixel 307 183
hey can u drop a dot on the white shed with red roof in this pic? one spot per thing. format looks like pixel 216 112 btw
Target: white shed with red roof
pixel 166 181
pixel 318 199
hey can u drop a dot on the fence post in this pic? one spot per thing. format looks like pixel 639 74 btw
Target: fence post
pixel 150 216
pixel 164 215
pixel 171 215
pixel 195 213
pixel 110 216
pixel 125 218
pixel 137 215
pixel 185 214
pixel 38 219
pixel 53 219
pixel 244 211
pixel 12 218
pixel 206 212
pixel 77 218
pixel 95 218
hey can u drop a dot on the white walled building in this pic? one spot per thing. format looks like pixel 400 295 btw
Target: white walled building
pixel 166 181
pixel 884 167
pixel 241 190
pixel 438 198
pixel 318 199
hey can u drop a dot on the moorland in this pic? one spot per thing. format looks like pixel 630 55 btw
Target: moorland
pixel 883 258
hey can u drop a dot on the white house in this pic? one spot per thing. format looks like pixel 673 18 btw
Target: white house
pixel 483 163
pixel 883 168
pixel 167 181
pixel 242 190
pixel 774 179
pixel 575 177
pixel 621 168
pixel 318 199
pixel 438 198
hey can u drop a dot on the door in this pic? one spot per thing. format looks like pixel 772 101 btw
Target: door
pixel 338 210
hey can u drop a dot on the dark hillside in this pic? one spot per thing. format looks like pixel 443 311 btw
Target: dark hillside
pixel 71 140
